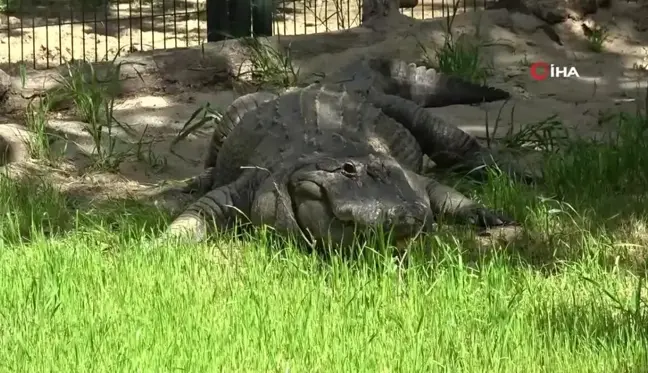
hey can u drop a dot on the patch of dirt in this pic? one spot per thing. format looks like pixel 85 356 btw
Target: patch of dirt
pixel 162 89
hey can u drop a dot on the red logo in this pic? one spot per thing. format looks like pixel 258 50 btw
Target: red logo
pixel 540 70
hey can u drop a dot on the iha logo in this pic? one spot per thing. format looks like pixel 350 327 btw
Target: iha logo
pixel 543 70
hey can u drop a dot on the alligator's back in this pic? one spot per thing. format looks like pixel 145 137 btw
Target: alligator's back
pixel 316 119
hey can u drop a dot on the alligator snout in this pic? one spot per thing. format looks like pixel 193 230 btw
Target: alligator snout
pixel 408 219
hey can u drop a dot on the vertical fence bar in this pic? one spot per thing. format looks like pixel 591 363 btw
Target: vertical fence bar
pixel 130 26
pixel 47 47
pixel 33 18
pixel 164 13
pixel 305 18
pixel 83 34
pixel 106 13
pixel 217 19
pixel 9 37
pixel 71 30
pixel 118 31
pixel 96 39
pixel 315 17
pixel 198 13
pixel 283 9
pixel 22 32
pixel 186 6
pixel 348 11
pixel 262 17
pixel 141 26
pixel 326 16
pixel 152 25
pixel 175 24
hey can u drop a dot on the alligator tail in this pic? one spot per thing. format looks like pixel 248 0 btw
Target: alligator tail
pixel 430 88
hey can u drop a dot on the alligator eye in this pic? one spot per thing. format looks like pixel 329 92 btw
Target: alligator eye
pixel 349 168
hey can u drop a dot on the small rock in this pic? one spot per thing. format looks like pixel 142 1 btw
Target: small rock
pixel 13 147
pixel 5 86
pixel 5 152
pixel 551 11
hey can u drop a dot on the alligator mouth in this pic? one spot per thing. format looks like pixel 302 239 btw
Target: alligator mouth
pixel 341 223
pixel 392 233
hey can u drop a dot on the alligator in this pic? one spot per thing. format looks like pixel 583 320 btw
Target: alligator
pixel 347 153
pixel 423 86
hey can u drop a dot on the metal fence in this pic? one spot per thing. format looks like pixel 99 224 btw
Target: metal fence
pixel 47 33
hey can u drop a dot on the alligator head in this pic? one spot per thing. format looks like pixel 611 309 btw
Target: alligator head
pixel 335 198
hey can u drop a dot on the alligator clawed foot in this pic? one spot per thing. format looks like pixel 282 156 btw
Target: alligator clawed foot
pixel 485 218
pixel 186 228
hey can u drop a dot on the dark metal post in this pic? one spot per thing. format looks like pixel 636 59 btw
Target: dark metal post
pixel 240 12
pixel 217 20
pixel 262 11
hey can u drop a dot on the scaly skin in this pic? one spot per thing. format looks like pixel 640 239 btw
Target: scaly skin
pixel 324 160
pixel 231 118
pixel 424 86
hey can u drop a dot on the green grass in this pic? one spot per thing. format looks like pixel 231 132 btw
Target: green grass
pixel 83 289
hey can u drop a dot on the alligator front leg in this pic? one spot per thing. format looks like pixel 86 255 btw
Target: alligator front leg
pixel 199 184
pixel 218 208
pixel 447 201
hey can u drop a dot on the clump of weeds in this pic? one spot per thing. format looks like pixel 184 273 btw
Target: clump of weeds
pixel 596 37
pixel 270 67
pixel 92 92
pixel 39 143
pixel 460 54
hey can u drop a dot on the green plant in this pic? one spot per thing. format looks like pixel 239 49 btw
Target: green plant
pixel 156 162
pixel 201 116
pixel 36 120
pixel 596 37
pixel 524 62
pixel 92 92
pixel 460 55
pixel 546 135
pixel 40 140
pixel 270 67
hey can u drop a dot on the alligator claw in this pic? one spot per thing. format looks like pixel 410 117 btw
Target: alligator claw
pixel 483 217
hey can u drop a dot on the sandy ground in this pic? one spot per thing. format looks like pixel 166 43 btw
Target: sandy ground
pixel 129 27
pixel 178 82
